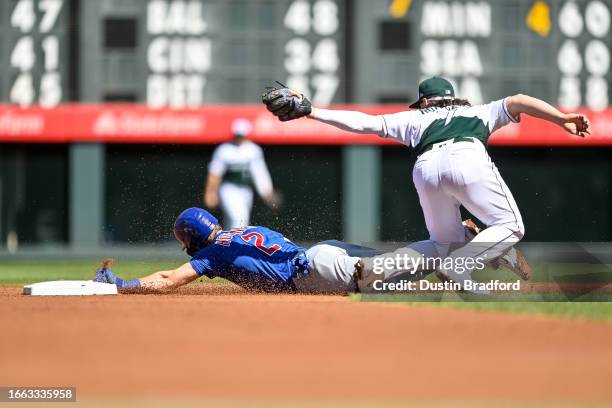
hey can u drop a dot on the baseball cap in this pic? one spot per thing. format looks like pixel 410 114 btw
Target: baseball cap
pixel 242 127
pixel 434 87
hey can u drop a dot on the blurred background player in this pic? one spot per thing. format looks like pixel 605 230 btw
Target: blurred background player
pixel 236 168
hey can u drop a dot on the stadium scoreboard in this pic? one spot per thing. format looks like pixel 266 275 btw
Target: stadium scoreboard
pixel 556 50
pixel 34 49
pixel 186 53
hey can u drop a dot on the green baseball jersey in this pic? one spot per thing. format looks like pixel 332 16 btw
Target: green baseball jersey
pixel 420 129
pixel 242 164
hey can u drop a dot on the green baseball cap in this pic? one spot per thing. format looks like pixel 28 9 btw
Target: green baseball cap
pixel 434 87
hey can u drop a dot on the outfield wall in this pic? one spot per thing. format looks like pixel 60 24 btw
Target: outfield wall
pixel 563 193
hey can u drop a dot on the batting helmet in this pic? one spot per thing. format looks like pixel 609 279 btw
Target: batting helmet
pixel 193 228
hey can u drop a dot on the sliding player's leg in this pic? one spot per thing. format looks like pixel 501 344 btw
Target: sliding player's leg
pixel 330 270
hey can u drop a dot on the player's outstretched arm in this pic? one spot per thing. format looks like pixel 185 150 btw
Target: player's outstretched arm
pixel 287 104
pixel 167 280
pixel 352 121
pixel 573 123
pixel 162 281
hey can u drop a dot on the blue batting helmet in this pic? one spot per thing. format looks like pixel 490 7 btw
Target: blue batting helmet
pixel 193 228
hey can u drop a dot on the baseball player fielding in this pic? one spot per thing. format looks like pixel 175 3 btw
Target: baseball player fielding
pixel 453 168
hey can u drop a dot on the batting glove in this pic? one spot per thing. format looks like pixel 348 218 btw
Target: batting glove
pixel 105 275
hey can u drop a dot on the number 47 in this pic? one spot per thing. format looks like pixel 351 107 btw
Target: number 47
pixel 24 15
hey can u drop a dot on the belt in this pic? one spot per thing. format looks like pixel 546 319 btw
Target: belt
pixel 439 145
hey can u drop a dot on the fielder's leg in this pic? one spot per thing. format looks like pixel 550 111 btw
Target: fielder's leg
pixel 236 202
pixel 513 259
pixel 476 183
pixel 412 262
pixel 440 209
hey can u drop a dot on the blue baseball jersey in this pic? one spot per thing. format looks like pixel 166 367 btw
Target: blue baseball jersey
pixel 252 257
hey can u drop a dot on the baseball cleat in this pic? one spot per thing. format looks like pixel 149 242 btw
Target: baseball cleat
pixel 442 277
pixel 358 275
pixel 515 262
pixel 471 229
pixel 363 279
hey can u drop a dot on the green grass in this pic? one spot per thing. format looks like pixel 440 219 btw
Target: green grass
pixel 590 305
pixel 22 272
pixel 589 310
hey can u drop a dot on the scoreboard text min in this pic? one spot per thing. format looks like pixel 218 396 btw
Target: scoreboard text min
pixel 557 50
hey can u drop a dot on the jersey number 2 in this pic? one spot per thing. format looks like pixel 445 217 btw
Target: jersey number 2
pixel 259 242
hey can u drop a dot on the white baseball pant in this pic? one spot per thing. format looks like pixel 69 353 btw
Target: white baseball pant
pixel 236 203
pixel 462 173
pixel 330 270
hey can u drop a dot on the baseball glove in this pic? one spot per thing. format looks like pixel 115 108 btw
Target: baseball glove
pixel 286 104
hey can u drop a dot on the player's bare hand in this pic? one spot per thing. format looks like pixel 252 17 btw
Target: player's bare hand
pixel 211 200
pixel 274 200
pixel 296 93
pixel 577 124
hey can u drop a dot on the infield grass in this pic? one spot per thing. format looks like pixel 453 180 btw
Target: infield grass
pixel 24 272
pixel 589 310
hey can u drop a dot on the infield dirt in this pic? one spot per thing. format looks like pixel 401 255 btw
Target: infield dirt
pixel 220 342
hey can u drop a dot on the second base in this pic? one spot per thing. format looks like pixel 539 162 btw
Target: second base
pixel 69 288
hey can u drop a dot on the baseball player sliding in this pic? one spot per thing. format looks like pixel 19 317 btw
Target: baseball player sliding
pixel 235 167
pixel 453 168
pixel 255 258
